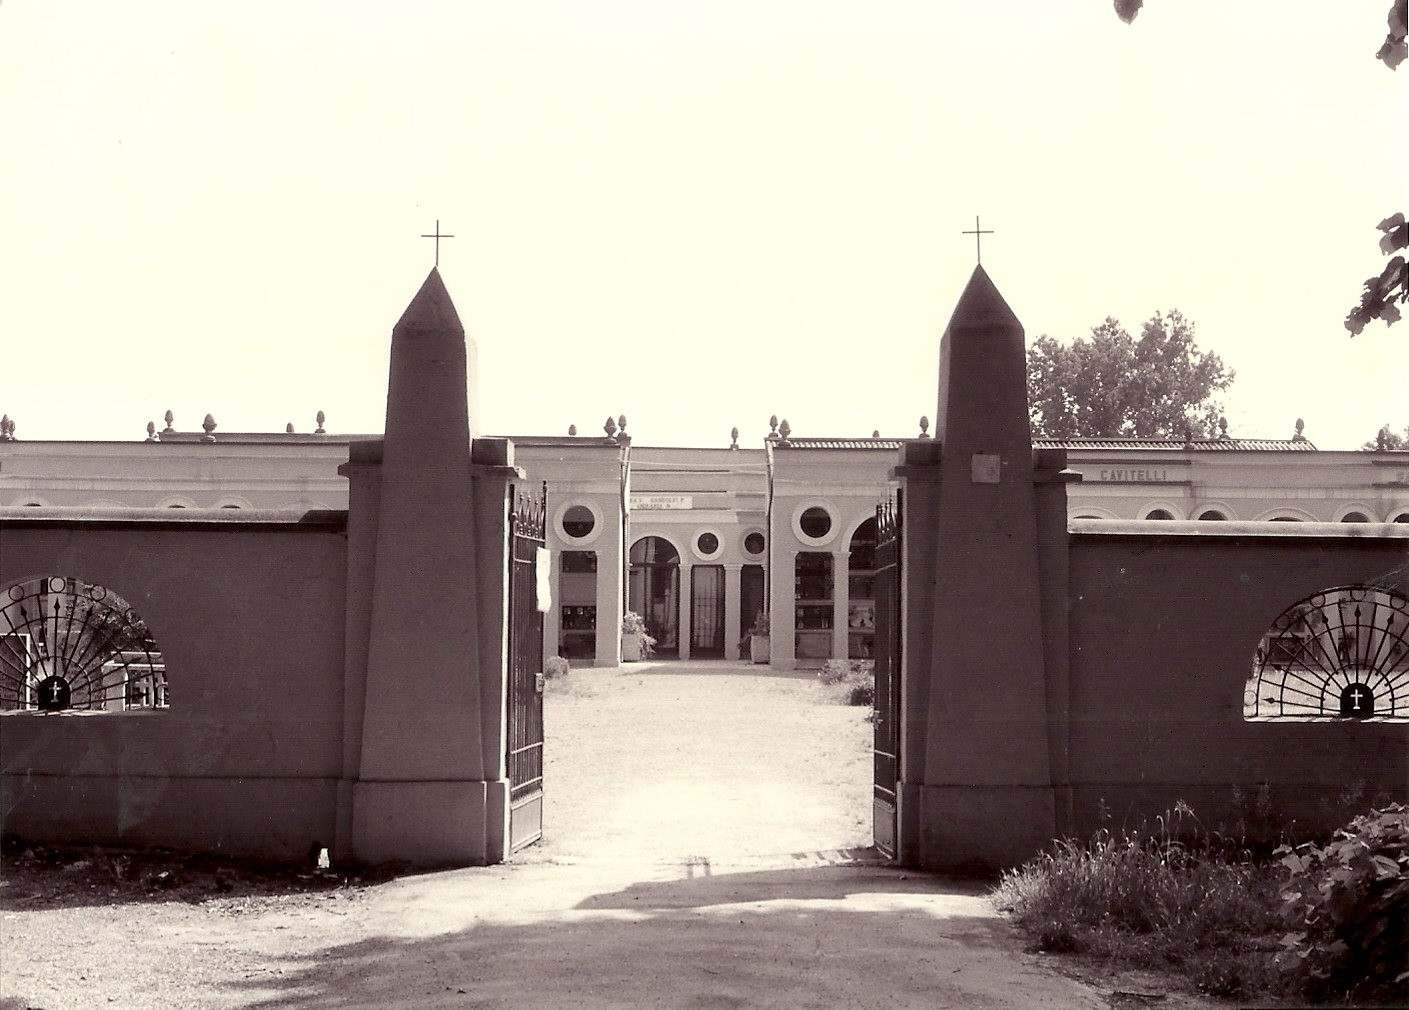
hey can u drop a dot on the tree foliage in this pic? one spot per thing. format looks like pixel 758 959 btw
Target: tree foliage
pixel 1159 386
pixel 1382 294
pixel 1387 438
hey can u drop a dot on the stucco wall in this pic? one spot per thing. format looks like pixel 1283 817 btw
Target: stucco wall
pixel 1163 630
pixel 249 616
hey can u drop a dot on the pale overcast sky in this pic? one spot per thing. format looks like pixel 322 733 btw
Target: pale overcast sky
pixel 694 214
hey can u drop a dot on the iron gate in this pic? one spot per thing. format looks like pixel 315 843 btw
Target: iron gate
pixel 525 737
pixel 888 667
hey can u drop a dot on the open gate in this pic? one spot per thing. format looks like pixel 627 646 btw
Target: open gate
pixel 888 672
pixel 527 511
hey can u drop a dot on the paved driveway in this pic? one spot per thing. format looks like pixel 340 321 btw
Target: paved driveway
pixel 698 820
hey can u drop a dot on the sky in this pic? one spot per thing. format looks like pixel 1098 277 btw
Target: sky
pixel 696 215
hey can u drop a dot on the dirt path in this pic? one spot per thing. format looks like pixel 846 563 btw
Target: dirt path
pixel 696 818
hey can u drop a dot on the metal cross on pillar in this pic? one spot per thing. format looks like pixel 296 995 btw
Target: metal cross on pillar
pixel 437 236
pixel 977 233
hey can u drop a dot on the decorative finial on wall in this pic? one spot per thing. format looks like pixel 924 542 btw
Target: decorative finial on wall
pixel 151 431
pixel 320 417
pixel 572 429
pixel 621 422
pixel 1300 427
pixel 924 426
pixel 734 437
pixel 1382 439
pixel 784 430
pixel 773 428
pixel 289 428
pixel 169 418
pixel 1188 435
pixel 610 428
pixel 7 428
pixel 876 433
pixel 1222 426
pixel 209 427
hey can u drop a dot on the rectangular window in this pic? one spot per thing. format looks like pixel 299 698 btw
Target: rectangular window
pixel 812 617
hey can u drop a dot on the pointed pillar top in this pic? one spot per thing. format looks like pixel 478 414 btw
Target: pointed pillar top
pixel 431 310
pixel 982 305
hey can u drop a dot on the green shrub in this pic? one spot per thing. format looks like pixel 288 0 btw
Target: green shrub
pixel 1347 904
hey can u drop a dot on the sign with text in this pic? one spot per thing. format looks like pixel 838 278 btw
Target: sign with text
pixel 1136 475
pixel 646 502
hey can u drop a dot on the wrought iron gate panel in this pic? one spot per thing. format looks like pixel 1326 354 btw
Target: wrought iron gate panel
pixel 888 674
pixel 527 511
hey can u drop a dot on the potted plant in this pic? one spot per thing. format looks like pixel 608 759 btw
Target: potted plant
pixel 758 638
pixel 636 643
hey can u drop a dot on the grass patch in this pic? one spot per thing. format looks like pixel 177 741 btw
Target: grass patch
pixel 1162 898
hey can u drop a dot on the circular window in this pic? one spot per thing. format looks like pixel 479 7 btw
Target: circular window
pixel 754 543
pixel 707 543
pixel 578 521
pixel 815 522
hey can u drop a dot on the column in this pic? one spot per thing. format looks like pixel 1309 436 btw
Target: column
pixel 841 600
pixel 682 634
pixel 733 624
pixel 782 647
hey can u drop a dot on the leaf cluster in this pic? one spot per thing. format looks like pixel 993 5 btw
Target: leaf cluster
pixel 1381 294
pixel 1112 385
pixel 1347 904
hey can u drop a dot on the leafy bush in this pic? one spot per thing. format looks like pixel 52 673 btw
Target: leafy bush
pixel 555 666
pixel 1348 905
pixel 857 678
pixel 633 623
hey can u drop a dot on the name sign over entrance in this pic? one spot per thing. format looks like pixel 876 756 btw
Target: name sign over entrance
pixel 1143 475
pixel 647 502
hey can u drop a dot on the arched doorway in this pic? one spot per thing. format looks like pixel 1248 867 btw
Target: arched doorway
pixel 861 592
pixel 653 591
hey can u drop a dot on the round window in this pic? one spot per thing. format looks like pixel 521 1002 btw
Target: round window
pixel 578 521
pixel 815 522
pixel 707 543
pixel 753 543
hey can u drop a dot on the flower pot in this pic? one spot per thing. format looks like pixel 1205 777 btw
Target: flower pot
pixel 631 647
pixel 758 648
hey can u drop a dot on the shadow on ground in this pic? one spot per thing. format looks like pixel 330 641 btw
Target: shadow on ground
pixel 824 936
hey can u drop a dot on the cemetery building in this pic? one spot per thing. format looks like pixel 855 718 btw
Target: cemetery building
pixel 701 541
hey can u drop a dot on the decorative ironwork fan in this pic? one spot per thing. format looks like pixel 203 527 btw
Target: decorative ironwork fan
pixel 1342 653
pixel 69 644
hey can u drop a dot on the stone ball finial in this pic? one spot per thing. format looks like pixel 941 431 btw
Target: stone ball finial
pixel 734 437
pixel 572 429
pixel 610 427
pixel 208 425
pixel 289 428
pixel 320 417
pixel 1300 427
pixel 151 431
pixel 924 426
pixel 169 417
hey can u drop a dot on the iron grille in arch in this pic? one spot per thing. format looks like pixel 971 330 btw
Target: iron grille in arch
pixel 68 644
pixel 1342 653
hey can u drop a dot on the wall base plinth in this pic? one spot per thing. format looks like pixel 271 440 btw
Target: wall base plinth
pixel 430 823
pixel 975 829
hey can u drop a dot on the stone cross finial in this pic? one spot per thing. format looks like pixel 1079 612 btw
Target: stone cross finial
pixel 773 428
pixel 320 417
pixel 151 431
pixel 209 427
pixel 572 429
pixel 924 426
pixel 168 418
pixel 1300 427
pixel 734 438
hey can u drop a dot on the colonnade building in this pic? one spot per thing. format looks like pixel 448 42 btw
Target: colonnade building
pixel 707 544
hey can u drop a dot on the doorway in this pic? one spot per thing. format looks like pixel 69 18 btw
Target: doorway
pixel 707 612
pixel 653 591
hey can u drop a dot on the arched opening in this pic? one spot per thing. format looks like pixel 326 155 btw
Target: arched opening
pixel 1284 519
pixel 1212 515
pixel 1355 517
pixel 69 644
pixel 653 591
pixel 1159 514
pixel 861 592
